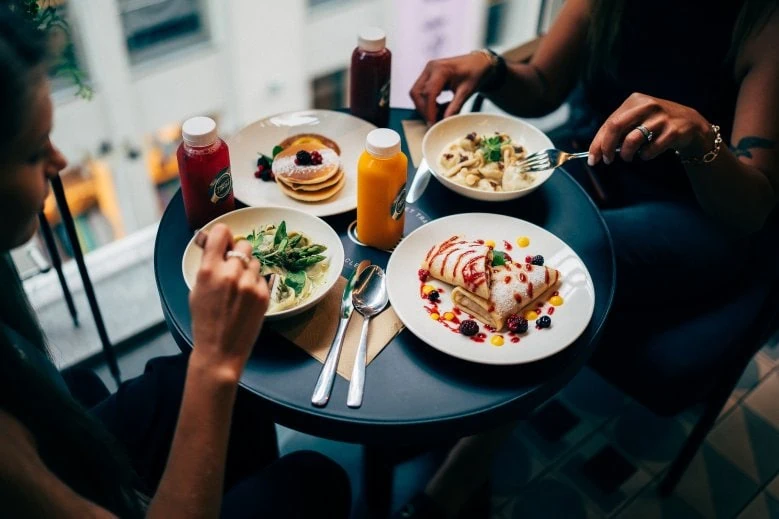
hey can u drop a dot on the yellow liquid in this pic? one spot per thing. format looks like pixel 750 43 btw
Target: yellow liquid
pixel 379 185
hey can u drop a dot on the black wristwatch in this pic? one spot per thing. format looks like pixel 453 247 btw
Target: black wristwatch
pixel 497 74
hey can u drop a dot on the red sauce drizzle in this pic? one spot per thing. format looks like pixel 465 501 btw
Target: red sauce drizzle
pixel 508 258
pixel 556 293
pixel 491 308
pixel 507 279
pixel 515 339
pixel 457 311
pixel 517 297
pixel 523 277
pixel 546 276
pixel 530 290
pixel 480 242
pixel 529 267
pixel 479 337
pixel 551 310
pixel 507 245
pixel 488 327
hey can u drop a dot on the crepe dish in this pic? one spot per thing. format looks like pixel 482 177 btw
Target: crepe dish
pixel 489 287
pixel 514 287
pixel 301 178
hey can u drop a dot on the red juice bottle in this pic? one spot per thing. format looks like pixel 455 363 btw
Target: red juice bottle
pixel 204 168
pixel 369 84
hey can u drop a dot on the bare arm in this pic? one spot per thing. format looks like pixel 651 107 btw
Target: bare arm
pixel 228 306
pixel 740 187
pixel 536 88
pixel 530 89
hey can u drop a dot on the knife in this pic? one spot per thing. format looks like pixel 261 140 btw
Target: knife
pixel 418 185
pixel 324 385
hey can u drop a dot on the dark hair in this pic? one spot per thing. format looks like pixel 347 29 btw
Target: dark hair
pixel 605 30
pixel 71 443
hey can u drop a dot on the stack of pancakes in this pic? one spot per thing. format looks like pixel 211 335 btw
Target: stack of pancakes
pixel 309 182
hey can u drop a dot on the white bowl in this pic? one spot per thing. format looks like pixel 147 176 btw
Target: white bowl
pixel 444 132
pixel 243 221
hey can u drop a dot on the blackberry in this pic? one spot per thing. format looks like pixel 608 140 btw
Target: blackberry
pixel 266 175
pixel 263 161
pixel 469 328
pixel 544 321
pixel 537 260
pixel 516 324
pixel 302 158
pixel 434 296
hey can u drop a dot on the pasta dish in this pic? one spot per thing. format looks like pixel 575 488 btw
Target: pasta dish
pixel 297 262
pixel 485 162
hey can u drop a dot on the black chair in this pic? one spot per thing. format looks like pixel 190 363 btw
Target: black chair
pixel 70 229
pixel 695 362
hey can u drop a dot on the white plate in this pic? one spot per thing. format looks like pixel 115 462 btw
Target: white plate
pixel 444 132
pixel 568 321
pixel 260 137
pixel 243 221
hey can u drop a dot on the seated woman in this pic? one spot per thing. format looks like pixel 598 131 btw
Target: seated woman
pixel 679 112
pixel 158 447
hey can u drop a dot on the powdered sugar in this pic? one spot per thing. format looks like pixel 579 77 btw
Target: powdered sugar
pixel 285 165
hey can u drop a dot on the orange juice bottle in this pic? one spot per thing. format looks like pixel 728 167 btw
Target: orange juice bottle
pixel 381 190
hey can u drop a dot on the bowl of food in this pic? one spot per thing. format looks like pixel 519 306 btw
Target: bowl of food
pixel 301 253
pixel 476 155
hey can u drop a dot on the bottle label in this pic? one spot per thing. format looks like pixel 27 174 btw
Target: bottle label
pixel 221 186
pixel 384 95
pixel 398 208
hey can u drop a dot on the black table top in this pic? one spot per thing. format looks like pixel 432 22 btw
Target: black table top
pixel 414 393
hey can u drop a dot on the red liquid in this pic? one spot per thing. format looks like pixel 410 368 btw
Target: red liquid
pixel 369 88
pixel 206 184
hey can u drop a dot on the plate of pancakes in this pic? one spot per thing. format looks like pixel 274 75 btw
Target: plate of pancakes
pixel 314 166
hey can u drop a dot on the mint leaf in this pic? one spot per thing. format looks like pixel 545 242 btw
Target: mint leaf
pixel 281 233
pixel 498 258
pixel 491 148
pixel 276 150
pixel 296 281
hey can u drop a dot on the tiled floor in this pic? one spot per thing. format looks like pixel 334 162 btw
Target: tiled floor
pixel 593 452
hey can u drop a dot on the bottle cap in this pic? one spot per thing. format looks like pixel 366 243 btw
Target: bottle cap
pixel 199 131
pixel 383 143
pixel 371 39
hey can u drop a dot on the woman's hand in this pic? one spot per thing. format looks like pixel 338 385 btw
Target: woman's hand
pixel 228 304
pixel 673 127
pixel 461 74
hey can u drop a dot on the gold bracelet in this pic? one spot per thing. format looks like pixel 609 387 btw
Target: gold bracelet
pixel 709 156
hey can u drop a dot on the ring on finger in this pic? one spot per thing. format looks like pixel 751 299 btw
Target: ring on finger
pixel 648 134
pixel 240 255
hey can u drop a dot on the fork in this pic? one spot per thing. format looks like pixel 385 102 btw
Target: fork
pixel 549 159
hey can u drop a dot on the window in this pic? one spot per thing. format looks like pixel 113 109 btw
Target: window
pixel 329 91
pixel 495 15
pixel 156 27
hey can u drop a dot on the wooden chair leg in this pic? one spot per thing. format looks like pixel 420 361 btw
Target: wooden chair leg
pixel 54 254
pixel 70 228
pixel 711 411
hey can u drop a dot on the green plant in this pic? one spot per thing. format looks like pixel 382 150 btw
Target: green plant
pixel 46 17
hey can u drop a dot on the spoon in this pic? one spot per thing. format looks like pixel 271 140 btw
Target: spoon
pixel 370 298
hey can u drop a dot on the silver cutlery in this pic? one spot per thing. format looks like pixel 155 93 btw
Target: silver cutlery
pixel 549 159
pixel 418 185
pixel 370 298
pixel 324 384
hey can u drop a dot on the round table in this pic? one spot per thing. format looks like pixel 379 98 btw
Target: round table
pixel 414 394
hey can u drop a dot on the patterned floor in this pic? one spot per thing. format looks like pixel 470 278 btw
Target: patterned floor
pixel 592 452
